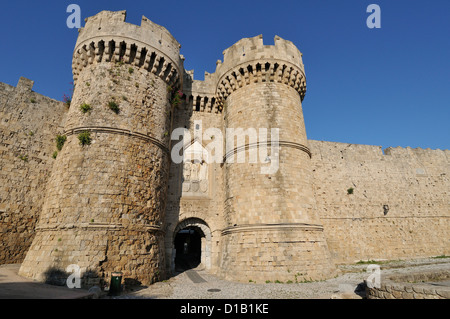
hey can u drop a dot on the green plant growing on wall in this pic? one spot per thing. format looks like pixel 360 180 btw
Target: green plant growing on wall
pixel 85 108
pixel 24 158
pixel 84 138
pixel 130 70
pixel 32 100
pixel 368 262
pixel 113 106
pixel 175 98
pixel 60 140
pixel 350 191
pixel 55 154
pixel 67 99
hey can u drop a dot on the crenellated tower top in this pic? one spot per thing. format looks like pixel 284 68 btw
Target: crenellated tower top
pixel 107 37
pixel 250 61
pixel 247 50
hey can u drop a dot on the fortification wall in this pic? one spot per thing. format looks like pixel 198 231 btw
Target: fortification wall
pixel 400 205
pixel 29 123
pixel 250 61
pixel 108 37
pixel 195 200
pixel 269 213
pixel 105 202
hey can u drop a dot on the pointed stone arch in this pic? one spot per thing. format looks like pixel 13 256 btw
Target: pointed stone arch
pixel 205 232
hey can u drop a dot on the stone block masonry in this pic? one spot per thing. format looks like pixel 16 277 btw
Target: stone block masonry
pixel 399 207
pixel 269 216
pixel 423 285
pixel 29 123
pixel 106 199
pixel 118 202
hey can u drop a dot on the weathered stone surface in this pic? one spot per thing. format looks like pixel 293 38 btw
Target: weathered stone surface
pixel 118 203
pixel 29 123
pixel 110 193
pixel 395 288
pixel 407 295
pixel 416 223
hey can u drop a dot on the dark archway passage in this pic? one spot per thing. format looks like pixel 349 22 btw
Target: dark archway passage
pixel 191 245
pixel 188 245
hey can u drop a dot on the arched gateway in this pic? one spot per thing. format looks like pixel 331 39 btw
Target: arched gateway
pixel 191 245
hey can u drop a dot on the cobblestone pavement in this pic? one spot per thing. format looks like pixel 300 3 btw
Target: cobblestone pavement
pixel 199 284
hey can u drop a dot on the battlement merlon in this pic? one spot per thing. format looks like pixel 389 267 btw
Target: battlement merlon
pixel 199 87
pixel 247 61
pixel 25 84
pixel 107 37
pixel 250 61
pixel 248 49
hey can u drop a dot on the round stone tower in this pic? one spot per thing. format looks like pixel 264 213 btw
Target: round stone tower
pixel 273 231
pixel 105 202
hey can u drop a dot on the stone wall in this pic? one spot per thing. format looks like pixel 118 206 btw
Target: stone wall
pixel 272 231
pixel 409 291
pixel 105 202
pixel 29 123
pixel 117 204
pixel 411 286
pixel 201 205
pixel 116 184
pixel 399 207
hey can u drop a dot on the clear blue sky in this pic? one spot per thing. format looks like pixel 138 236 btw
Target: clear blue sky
pixel 387 87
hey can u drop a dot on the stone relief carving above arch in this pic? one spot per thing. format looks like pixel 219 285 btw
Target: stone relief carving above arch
pixel 196 171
